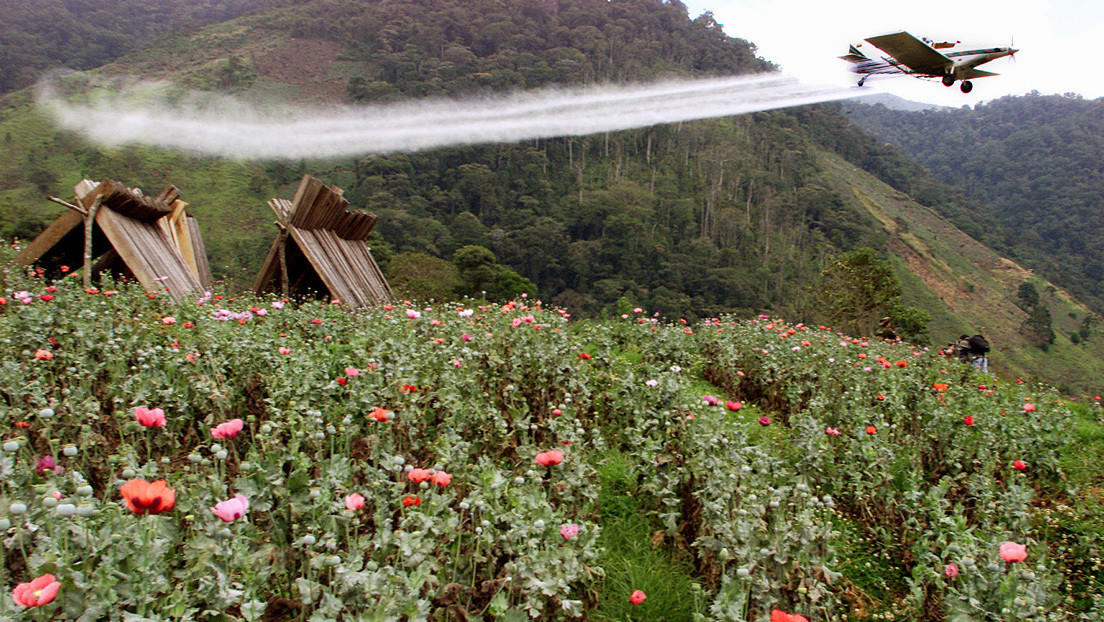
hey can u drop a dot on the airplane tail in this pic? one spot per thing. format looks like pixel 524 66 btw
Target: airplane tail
pixel 854 55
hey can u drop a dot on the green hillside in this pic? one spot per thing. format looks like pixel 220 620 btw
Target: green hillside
pixel 1034 163
pixel 690 220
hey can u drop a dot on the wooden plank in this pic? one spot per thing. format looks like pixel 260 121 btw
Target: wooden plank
pixel 317 259
pixel 104 262
pixel 269 270
pixel 301 211
pixel 149 254
pixel 199 251
pixel 49 238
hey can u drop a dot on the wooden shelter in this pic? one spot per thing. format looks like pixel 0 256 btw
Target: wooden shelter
pixel 115 228
pixel 322 249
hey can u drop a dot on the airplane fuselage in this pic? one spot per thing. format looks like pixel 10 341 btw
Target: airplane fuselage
pixel 922 58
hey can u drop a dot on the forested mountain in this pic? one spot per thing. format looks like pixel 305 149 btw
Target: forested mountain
pixel 37 35
pixel 690 220
pixel 1037 164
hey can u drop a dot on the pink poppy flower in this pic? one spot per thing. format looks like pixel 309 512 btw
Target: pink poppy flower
pixel 43 355
pixel 46 464
pixel 418 475
pixel 38 592
pixel 549 458
pixel 230 429
pixel 734 406
pixel 354 502
pixel 412 314
pixel 150 417
pixel 441 478
pixel 764 421
pixel 232 509
pixel 352 372
pixel 168 320
pixel 710 400
pixel 284 350
pixel 951 571
pixel 1012 552
pixel 777 615
pixel 637 597
pixel 1029 407
pixel 569 531
pixel 832 432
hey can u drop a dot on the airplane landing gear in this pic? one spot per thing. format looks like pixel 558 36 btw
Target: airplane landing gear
pixel 948 80
pixel 967 86
pixel 861 80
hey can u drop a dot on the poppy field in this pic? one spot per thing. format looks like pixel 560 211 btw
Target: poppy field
pixel 237 458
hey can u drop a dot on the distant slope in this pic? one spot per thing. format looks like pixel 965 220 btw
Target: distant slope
pixel 38 35
pixel 969 288
pixel 893 102
pixel 1034 161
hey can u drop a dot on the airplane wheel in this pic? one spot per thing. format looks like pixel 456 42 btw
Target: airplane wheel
pixel 948 80
pixel 967 86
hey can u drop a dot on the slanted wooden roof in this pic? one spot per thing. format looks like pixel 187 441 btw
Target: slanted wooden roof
pixel 152 238
pixel 322 247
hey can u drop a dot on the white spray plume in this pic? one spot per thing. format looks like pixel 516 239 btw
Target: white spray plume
pixel 227 126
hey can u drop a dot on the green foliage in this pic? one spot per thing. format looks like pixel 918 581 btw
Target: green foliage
pixel 910 323
pixel 1032 161
pixel 706 509
pixel 421 276
pixel 481 277
pixel 1037 327
pixel 858 288
pixel 1027 295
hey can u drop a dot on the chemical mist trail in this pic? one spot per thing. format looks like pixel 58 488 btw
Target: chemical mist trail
pixel 225 126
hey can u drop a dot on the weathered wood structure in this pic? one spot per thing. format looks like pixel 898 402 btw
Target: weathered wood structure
pixel 115 228
pixel 321 249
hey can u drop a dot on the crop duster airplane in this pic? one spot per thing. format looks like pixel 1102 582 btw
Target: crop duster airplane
pixel 922 58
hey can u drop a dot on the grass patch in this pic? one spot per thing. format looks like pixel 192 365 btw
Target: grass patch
pixel 630 559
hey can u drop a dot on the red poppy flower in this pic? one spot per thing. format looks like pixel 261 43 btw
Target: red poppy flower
pixel 871 430
pixel 410 500
pixel 549 458
pixel 1012 552
pixel 584 356
pixel 40 591
pixel 1019 465
pixel 637 597
pixel 777 615
pixel 144 497
pixel 379 414
pixel 342 381
pixel 968 420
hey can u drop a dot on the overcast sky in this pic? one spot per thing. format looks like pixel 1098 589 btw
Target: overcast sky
pixel 1060 41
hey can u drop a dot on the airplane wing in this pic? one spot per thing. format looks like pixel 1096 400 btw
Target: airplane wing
pixel 912 52
pixel 971 73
